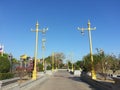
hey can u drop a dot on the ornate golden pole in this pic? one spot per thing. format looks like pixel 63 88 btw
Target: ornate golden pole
pixel 56 61
pixel 53 61
pixel 43 49
pixel 43 45
pixel 71 59
pixel 34 74
pixel 72 62
pixel 90 42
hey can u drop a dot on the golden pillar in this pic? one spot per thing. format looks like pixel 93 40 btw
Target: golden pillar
pixel 34 74
pixel 91 56
pixel 43 46
pixel 53 61
pixel 90 43
pixel 68 64
pixel 56 61
pixel 72 67
pixel 43 50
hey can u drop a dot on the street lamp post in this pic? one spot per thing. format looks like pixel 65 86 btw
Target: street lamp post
pixel 34 74
pixel 72 65
pixel 90 43
pixel 43 49
pixel 68 65
pixel 56 61
pixel 53 61
pixel 43 46
pixel 71 58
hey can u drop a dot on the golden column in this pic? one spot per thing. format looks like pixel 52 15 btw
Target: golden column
pixel 43 45
pixel 56 61
pixel 72 67
pixel 53 61
pixel 34 74
pixel 90 42
pixel 68 65
pixel 72 62
pixel 43 50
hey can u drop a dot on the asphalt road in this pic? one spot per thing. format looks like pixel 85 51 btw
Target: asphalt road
pixel 62 80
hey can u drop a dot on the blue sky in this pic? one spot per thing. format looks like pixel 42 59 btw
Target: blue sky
pixel 62 17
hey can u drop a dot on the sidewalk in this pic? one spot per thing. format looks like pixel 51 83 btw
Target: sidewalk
pixel 24 85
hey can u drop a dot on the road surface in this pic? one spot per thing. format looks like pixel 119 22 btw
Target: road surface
pixel 62 80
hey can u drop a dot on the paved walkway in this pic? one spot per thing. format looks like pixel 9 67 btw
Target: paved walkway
pixel 62 80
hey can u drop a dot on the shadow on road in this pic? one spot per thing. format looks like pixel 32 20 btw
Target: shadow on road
pixel 93 84
pixel 79 79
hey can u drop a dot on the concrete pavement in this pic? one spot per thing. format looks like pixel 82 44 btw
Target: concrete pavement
pixel 62 80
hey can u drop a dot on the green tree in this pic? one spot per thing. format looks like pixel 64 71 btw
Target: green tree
pixel 114 63
pixel 40 67
pixel 86 64
pixel 59 59
pixel 70 65
pixel 48 60
pixel 78 64
pixel 4 64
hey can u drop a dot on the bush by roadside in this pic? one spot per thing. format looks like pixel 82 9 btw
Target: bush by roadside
pixel 6 76
pixel 4 64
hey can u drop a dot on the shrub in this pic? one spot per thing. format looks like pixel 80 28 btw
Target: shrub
pixel 40 67
pixel 4 64
pixel 6 76
pixel 76 67
pixel 49 67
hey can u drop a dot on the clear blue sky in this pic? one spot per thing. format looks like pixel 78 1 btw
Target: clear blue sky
pixel 62 17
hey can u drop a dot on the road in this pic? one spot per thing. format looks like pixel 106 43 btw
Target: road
pixel 62 80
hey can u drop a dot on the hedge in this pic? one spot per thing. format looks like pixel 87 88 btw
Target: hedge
pixel 6 76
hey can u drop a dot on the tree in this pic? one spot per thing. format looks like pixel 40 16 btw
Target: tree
pixel 69 65
pixel 115 63
pixel 4 64
pixel 86 62
pixel 59 59
pixel 78 64
pixel 48 60
pixel 40 67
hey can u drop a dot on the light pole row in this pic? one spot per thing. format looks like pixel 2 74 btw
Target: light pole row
pixel 43 48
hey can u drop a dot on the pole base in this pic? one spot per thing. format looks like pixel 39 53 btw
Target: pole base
pixel 93 75
pixel 34 75
pixel 52 70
